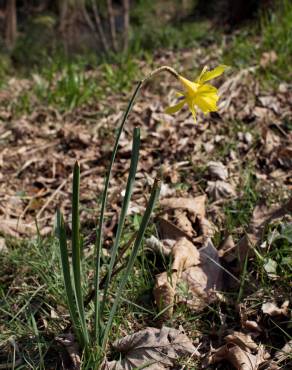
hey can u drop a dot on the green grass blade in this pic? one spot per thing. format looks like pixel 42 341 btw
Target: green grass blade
pixel 61 233
pixel 124 210
pixel 76 252
pixel 99 230
pixel 145 220
pixel 39 345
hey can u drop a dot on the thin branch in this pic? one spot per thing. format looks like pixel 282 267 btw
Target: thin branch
pixel 87 18
pixel 112 24
pixel 99 26
pixel 126 13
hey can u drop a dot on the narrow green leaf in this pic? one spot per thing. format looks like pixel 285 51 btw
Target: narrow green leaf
pixel 99 229
pixel 124 210
pixel 76 252
pixel 61 233
pixel 145 220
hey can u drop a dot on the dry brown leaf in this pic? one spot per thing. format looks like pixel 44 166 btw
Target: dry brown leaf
pixel 271 308
pixel 241 339
pixel 159 348
pixel 156 245
pixel 169 234
pixel 217 170
pixel 271 141
pixel 72 348
pixel 207 228
pixel 195 205
pixel 185 255
pixel 284 353
pixel 262 215
pixel 183 222
pixel 238 357
pixel 270 102
pixel 220 189
pixel 251 325
pixel 196 277
pixel 198 284
pixel 268 57
pixel 164 293
pixel 227 249
pixel 16 228
pixel 168 231
pixel 238 351
pixel 284 157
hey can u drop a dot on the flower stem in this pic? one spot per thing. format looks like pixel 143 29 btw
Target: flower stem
pixel 99 230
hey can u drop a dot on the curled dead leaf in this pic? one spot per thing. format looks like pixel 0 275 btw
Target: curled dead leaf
pixel 217 170
pixel 238 357
pixel 207 228
pixel 251 325
pixel 272 309
pixel 220 189
pixel 185 255
pixel 195 205
pixel 241 339
pixel 157 348
pixel 227 249
pixel 198 284
pixel 196 277
pixel 169 233
pixel 241 351
pixel 183 222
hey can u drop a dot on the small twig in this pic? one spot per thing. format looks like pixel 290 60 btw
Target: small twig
pixel 195 353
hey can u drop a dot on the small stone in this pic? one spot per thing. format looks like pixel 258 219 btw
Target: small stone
pixel 283 87
pixel 248 138
pixel 208 147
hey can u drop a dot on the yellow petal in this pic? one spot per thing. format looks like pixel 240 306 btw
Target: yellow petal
pixel 209 75
pixel 175 108
pixel 189 86
pixel 191 106
pixel 207 103
pixel 204 70
pixel 206 98
pixel 192 109
pixel 207 89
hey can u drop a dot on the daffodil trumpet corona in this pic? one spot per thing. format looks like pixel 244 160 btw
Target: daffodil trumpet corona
pixel 198 93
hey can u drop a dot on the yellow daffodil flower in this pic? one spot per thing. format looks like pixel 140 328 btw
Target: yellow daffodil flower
pixel 198 93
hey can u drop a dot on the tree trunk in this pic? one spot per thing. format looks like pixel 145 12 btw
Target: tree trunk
pixel 10 24
pixel 126 11
pixel 112 24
